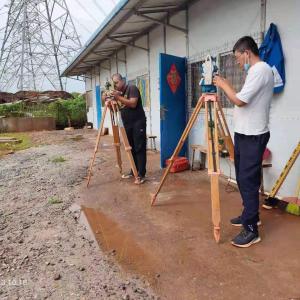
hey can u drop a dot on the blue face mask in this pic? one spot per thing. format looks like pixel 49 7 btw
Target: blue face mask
pixel 247 67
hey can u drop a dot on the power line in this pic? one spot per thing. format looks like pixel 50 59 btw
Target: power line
pixel 83 26
pixel 87 12
pixel 100 8
pixel 39 40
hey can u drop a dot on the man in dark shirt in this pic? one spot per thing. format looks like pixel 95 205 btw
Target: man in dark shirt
pixel 134 120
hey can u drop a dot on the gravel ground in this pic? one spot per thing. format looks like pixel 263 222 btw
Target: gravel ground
pixel 45 251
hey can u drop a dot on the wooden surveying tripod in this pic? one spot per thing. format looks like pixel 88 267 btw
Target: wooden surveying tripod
pixel 216 128
pixel 117 128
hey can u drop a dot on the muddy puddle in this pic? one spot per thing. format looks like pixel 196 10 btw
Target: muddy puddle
pixel 118 242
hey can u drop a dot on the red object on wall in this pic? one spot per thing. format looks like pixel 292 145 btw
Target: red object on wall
pixel 180 164
pixel 173 79
pixel 266 154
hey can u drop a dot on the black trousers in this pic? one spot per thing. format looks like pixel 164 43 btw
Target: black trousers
pixel 248 155
pixel 136 133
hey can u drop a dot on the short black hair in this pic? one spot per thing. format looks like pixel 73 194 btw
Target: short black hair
pixel 246 43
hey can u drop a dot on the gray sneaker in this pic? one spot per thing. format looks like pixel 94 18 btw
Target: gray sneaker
pixel 127 176
pixel 140 180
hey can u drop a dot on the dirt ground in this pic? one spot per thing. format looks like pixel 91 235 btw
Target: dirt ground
pixel 51 226
pixel 46 252
pixel 172 243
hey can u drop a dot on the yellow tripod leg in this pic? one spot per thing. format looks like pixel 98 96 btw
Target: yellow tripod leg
pixel 211 120
pixel 116 136
pixel 96 147
pixel 227 137
pixel 125 140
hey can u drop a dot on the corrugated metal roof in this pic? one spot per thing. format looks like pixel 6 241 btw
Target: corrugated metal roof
pixel 130 20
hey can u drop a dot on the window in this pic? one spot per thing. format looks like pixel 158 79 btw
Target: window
pixel 195 78
pixel 232 72
pixel 228 69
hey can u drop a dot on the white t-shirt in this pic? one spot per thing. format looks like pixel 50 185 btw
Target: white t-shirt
pixel 257 92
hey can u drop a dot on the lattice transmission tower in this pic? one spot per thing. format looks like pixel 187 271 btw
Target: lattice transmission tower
pixel 38 42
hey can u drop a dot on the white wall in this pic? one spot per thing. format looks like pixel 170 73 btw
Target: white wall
pixel 137 59
pixel 105 75
pixel 175 45
pixel 156 47
pixel 137 65
pixel 285 113
pixel 214 26
pixel 88 87
pixel 213 23
pixel 217 25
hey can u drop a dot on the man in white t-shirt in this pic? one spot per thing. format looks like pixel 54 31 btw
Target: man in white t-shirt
pixel 251 133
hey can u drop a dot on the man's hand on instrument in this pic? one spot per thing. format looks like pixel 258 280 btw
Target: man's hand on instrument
pixel 220 82
pixel 111 102
pixel 116 94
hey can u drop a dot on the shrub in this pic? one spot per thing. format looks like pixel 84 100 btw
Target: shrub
pixel 71 112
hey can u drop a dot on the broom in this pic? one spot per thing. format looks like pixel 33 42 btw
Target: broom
pixel 293 202
pixel 289 204
pixel 293 206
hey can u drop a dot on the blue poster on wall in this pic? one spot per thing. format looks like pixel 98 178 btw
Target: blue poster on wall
pixel 98 105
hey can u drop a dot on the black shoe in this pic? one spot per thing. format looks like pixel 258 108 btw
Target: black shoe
pixel 238 222
pixel 270 203
pixel 245 239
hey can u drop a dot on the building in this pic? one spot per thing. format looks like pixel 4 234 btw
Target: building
pixel 142 39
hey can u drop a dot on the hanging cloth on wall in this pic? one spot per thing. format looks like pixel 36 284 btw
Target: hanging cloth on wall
pixel 271 52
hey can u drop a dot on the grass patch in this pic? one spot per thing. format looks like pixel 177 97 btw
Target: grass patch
pixel 58 159
pixel 54 200
pixel 77 137
pixel 7 147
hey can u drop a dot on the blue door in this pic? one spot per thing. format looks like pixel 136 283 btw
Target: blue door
pixel 98 105
pixel 172 104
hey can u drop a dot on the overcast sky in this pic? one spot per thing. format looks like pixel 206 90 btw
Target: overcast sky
pixel 87 15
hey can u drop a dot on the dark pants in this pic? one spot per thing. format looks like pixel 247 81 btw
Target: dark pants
pixel 248 154
pixel 136 133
